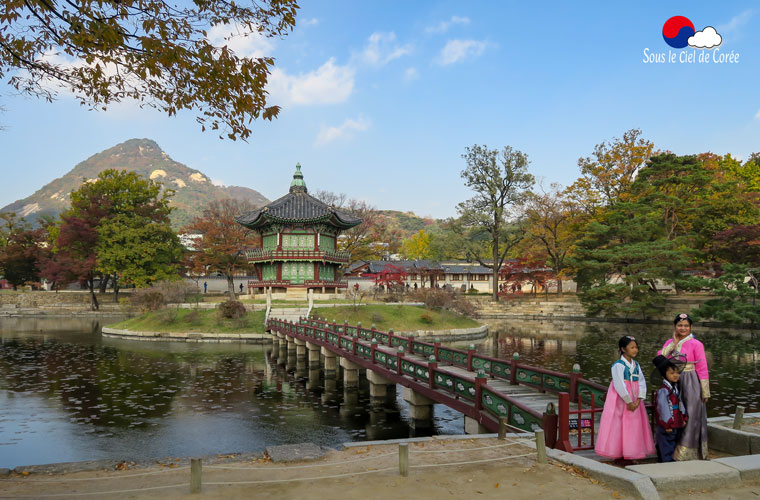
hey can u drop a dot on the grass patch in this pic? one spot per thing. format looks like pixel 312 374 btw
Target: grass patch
pixel 193 321
pixel 400 318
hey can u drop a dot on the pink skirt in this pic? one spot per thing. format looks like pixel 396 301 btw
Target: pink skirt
pixel 624 433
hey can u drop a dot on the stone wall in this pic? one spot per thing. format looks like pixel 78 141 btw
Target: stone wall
pixel 569 307
pixel 28 302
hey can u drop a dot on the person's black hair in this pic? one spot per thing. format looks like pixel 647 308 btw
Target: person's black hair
pixel 681 317
pixel 624 341
pixel 662 364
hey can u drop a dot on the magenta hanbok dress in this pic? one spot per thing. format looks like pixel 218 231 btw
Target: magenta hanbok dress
pixel 623 433
pixel 695 385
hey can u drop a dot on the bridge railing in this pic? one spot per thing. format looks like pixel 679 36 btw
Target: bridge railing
pixel 543 379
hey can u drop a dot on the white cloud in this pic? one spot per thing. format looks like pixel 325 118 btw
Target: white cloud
pixel 411 73
pixel 329 84
pixel 708 38
pixel 458 50
pixel 444 26
pixel 736 23
pixel 757 115
pixel 343 131
pixel 242 42
pixel 382 49
pixel 309 22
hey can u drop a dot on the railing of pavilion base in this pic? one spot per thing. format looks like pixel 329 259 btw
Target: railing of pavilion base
pixel 479 397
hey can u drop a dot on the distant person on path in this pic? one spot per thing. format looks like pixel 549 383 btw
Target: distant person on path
pixel 683 349
pixel 669 409
pixel 624 432
pixel 241 288
pixel 205 287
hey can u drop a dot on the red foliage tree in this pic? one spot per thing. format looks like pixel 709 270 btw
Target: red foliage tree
pixel 223 241
pixel 522 270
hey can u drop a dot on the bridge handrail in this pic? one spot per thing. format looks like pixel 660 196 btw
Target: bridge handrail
pixel 517 373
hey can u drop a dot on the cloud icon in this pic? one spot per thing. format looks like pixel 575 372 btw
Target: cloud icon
pixel 708 38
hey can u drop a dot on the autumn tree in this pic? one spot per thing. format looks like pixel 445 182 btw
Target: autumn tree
pixel 500 180
pixel 158 53
pixel 222 243
pixel 117 226
pixel 19 250
pixel 417 246
pixel 370 239
pixel 548 216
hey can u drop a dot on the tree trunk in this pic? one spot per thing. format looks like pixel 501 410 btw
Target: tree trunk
pixel 496 271
pixel 104 283
pixel 93 298
pixel 115 289
pixel 559 287
pixel 231 286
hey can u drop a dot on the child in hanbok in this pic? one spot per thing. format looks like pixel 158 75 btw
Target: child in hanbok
pixel 624 432
pixel 670 409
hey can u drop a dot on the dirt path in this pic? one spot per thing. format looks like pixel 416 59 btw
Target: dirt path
pixel 494 477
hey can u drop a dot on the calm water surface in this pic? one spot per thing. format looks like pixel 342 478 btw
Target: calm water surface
pixel 68 394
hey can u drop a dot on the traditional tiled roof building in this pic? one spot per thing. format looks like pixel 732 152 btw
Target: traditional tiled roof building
pixel 299 235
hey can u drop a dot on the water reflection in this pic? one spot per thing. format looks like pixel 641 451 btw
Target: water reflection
pixel 72 395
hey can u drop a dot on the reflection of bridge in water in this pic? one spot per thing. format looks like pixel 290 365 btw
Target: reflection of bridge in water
pixel 485 389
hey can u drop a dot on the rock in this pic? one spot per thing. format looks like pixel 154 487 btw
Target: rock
pixel 694 474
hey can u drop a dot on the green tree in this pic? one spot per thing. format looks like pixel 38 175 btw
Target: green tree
pixel 500 180
pixel 154 52
pixel 119 225
pixel 736 298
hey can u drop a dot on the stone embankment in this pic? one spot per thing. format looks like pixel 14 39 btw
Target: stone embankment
pixel 569 308
pixel 64 303
pixel 212 338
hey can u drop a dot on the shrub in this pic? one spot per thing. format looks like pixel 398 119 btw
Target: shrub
pixel 167 316
pixel 231 309
pixel 147 299
pixel 193 317
pixel 377 318
pixel 426 318
pixel 175 291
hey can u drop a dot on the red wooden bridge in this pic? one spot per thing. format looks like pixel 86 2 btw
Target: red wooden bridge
pixel 483 388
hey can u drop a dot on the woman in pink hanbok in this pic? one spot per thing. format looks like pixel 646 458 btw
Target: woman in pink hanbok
pixel 686 351
pixel 624 432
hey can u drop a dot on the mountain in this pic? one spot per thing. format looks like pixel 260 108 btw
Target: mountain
pixel 408 222
pixel 193 188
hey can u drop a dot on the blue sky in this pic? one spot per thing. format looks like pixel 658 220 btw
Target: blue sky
pixel 381 98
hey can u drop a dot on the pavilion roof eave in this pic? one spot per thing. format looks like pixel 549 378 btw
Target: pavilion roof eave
pixel 264 219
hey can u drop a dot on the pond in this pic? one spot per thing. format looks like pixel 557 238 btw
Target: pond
pixel 67 394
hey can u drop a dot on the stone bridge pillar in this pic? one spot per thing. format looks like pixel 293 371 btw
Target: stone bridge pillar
pixel 313 383
pixel 350 373
pixel 313 355
pixel 472 426
pixel 331 363
pixel 420 409
pixel 300 349
pixel 378 386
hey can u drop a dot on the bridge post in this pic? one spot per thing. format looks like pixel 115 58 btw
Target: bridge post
pixel 313 355
pixel 331 364
pixel 563 440
pixel 470 352
pixel 420 408
pixel 378 386
pixel 574 376
pixel 432 365
pixel 436 345
pixel 300 349
pixel 549 425
pixel 350 373
pixel 513 371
